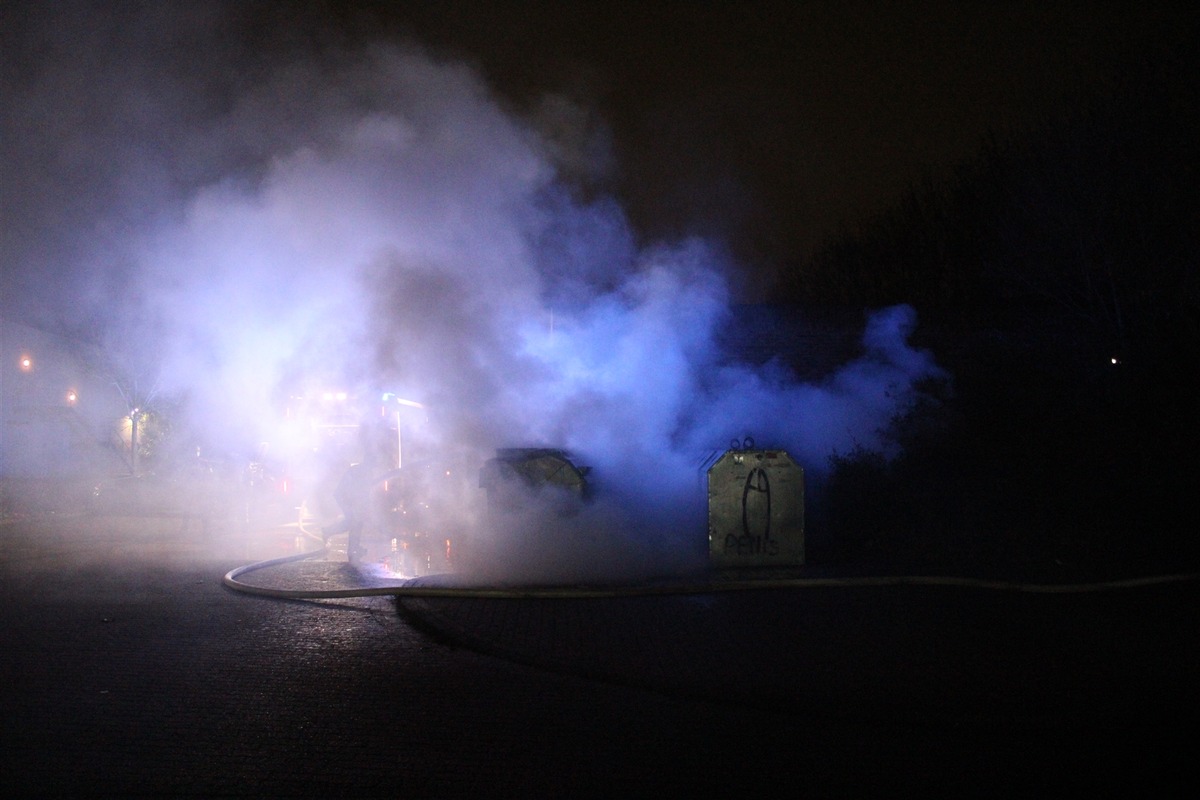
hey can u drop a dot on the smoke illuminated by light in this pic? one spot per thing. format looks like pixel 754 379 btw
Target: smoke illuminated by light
pixel 396 211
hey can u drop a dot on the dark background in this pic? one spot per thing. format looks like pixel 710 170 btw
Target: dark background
pixel 778 123
pixel 774 124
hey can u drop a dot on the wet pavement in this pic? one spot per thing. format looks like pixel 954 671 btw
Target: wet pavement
pixel 129 669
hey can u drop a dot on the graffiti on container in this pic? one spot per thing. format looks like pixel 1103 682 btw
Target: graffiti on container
pixel 755 538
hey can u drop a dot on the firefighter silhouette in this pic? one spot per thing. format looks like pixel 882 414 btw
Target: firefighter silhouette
pixel 354 494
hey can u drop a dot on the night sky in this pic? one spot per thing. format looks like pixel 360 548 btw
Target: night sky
pixel 778 122
pixel 769 125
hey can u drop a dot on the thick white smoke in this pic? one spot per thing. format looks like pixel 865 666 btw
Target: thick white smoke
pixel 404 230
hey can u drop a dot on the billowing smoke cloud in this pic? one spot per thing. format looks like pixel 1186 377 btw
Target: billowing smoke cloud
pixel 396 227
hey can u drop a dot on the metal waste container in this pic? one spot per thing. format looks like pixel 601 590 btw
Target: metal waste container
pixel 519 477
pixel 755 509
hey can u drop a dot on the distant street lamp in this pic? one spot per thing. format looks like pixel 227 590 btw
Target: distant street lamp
pixel 133 442
pixel 390 397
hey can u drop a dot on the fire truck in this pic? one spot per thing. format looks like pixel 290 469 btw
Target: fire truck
pixel 407 525
pixel 426 505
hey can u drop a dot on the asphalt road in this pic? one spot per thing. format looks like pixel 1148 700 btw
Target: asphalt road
pixel 128 669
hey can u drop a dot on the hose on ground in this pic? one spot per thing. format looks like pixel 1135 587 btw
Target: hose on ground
pixel 409 589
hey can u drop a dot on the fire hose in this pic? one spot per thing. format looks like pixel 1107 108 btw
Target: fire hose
pixel 409 589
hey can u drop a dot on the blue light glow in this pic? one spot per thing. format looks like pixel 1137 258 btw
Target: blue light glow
pixel 407 231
